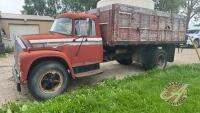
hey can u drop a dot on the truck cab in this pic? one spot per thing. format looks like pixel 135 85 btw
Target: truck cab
pixel 73 48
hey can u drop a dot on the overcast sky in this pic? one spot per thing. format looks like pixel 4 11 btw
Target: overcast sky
pixel 11 6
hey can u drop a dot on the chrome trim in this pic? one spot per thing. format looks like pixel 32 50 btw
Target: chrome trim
pixel 65 40
pixel 20 42
pixel 50 40
pixel 55 45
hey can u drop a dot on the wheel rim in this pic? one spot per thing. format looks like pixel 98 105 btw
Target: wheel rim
pixel 51 82
pixel 161 61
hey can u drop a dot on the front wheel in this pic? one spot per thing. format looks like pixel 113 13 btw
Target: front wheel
pixel 155 59
pixel 48 80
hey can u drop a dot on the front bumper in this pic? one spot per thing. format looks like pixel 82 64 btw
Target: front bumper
pixel 16 75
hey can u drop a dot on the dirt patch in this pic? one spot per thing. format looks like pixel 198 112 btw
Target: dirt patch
pixel 8 90
pixel 188 56
pixel 111 70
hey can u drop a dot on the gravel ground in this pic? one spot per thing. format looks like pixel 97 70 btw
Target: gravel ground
pixel 111 70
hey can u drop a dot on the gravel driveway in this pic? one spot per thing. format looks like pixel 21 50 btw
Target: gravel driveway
pixel 111 70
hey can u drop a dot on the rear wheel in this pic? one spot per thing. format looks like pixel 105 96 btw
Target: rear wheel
pixel 48 80
pixel 155 59
pixel 126 61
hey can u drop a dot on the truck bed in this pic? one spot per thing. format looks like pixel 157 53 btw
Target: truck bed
pixel 123 24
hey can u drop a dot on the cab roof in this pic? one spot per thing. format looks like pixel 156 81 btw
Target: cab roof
pixel 77 15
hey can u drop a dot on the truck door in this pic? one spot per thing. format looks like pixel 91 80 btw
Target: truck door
pixel 88 47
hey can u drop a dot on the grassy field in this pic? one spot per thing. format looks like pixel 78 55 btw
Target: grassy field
pixel 132 95
pixel 7 51
pixel 2 55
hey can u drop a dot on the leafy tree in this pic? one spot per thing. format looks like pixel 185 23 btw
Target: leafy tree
pixel 35 7
pixel 191 10
pixel 79 5
pixel 42 7
pixel 171 6
pixel 53 7
pixel 28 7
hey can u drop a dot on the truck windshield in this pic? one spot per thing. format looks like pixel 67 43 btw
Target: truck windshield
pixel 63 26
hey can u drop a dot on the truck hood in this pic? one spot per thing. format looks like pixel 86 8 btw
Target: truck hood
pixel 44 40
pixel 43 36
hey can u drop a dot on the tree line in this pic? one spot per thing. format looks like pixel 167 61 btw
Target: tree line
pixel 53 7
pixel 189 8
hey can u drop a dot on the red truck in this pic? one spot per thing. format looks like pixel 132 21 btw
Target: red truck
pixel 77 44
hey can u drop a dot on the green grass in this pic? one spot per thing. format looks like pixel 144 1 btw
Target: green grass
pixel 2 55
pixel 6 51
pixel 132 95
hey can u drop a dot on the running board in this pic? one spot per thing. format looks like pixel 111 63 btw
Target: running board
pixel 89 73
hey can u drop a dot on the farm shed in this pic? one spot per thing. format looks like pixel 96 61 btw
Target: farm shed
pixel 16 24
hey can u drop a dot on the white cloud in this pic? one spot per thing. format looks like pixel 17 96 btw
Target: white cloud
pixel 11 6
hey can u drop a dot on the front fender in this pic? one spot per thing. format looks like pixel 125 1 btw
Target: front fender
pixel 28 58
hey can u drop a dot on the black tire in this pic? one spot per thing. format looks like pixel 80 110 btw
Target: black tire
pixel 196 43
pixel 125 61
pixel 155 59
pixel 48 80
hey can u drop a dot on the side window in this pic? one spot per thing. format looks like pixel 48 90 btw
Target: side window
pixel 85 27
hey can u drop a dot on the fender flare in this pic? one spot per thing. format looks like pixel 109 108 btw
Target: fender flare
pixel 28 58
